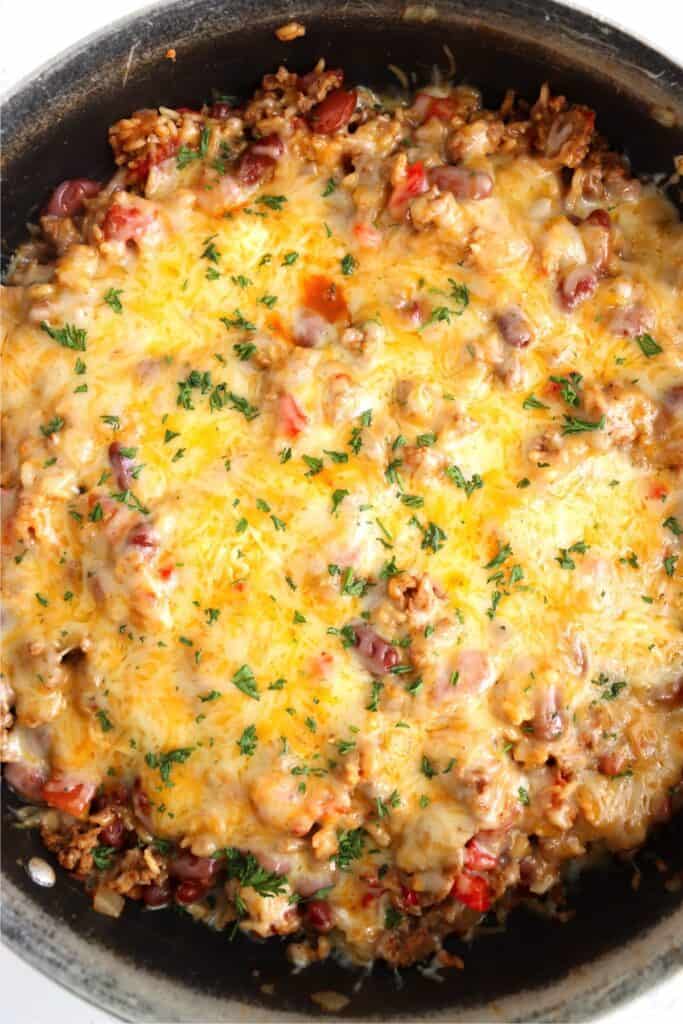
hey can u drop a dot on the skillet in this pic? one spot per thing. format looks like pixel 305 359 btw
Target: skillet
pixel 162 966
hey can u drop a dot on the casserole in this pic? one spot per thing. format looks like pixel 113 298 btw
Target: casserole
pixel 165 98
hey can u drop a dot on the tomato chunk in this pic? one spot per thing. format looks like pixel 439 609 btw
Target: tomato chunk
pixel 71 797
pixel 477 858
pixel 292 418
pixel 472 891
pixel 414 184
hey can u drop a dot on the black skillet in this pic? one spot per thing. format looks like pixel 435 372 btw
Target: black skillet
pixel 161 965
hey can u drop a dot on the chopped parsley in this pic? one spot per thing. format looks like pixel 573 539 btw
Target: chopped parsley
pixel 648 346
pixel 165 761
pixel 102 857
pixel 67 336
pixel 569 387
pixel 523 795
pixel 455 474
pixel 314 465
pixel 350 847
pixel 52 427
pixel 504 552
pixel 238 322
pixel 565 560
pixel 103 719
pixel 348 264
pixel 531 402
pixel 111 297
pixel 330 187
pixel 572 425
pixel 244 350
pixel 248 741
pixel 289 258
pixel 272 202
pixel 244 680
pixel 673 524
pixel 337 498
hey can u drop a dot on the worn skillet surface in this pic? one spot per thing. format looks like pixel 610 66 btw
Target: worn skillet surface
pixel 162 965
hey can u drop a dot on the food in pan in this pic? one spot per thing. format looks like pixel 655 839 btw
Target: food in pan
pixel 342 481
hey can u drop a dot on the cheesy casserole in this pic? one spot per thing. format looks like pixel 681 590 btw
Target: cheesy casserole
pixel 343 512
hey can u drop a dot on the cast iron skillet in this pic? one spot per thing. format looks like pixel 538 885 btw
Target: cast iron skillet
pixel 161 966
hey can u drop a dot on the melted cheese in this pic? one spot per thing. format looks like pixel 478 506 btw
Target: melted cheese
pixel 245 534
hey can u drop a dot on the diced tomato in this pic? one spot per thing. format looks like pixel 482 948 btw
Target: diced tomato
pixel 292 419
pixel 414 184
pixel 658 492
pixel 369 897
pixel 473 891
pixel 71 797
pixel 368 237
pixel 477 858
pixel 326 297
pixel 409 897
pixel 125 223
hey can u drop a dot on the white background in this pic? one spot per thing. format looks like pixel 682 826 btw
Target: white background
pixel 31 33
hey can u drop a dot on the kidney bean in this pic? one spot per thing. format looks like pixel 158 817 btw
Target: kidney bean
pixel 577 286
pixel 334 112
pixel 377 654
pixel 674 397
pixel 188 867
pixel 121 464
pixel 113 833
pixel 190 892
pixel 601 218
pixel 25 779
pixel 258 160
pixel 548 723
pixel 269 145
pixel 319 915
pixel 156 895
pixel 461 182
pixel 514 327
pixel 142 805
pixel 69 197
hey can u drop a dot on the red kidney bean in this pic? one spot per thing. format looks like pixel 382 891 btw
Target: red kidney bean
pixel 121 464
pixel 601 218
pixel 113 833
pixel 514 327
pixel 142 805
pixel 258 160
pixel 117 794
pixel 190 892
pixel 221 110
pixel 673 397
pixel 377 654
pixel 69 197
pixel 577 286
pixel 334 112
pixel 189 868
pixel 156 895
pixel 319 915
pixel 26 780
pixel 548 723
pixel 461 182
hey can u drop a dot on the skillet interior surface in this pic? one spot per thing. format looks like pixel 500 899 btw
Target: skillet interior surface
pixel 55 128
